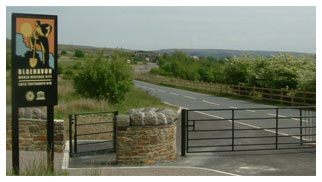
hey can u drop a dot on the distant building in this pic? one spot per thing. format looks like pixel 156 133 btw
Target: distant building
pixel 149 56
pixel 195 57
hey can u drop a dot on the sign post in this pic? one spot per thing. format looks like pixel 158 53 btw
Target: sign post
pixel 34 74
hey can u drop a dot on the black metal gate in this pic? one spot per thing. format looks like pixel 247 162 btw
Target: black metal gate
pixel 92 133
pixel 226 130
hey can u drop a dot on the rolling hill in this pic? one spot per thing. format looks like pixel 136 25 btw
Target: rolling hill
pixel 217 53
pixel 220 53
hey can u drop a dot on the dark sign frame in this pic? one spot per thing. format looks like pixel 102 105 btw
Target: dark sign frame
pixel 33 83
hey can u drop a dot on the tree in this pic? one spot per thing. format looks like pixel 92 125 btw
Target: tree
pixel 63 52
pixel 236 70
pixel 103 78
pixel 79 53
pixel 205 75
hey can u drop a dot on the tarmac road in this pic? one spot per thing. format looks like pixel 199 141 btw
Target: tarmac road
pixel 193 100
pixel 271 162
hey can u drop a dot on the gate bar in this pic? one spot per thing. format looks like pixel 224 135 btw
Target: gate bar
pixel 75 135
pixel 301 139
pixel 233 129
pixel 83 134
pixel 207 151
pixel 88 143
pixel 276 145
pixel 183 131
pixel 269 108
pixel 83 124
pixel 70 135
pixel 114 129
pixel 247 129
pixel 247 137
pixel 240 119
pixel 88 113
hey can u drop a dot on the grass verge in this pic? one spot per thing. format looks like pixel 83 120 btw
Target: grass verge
pixel 37 168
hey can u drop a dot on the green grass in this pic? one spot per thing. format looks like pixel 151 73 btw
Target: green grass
pixel 138 98
pixel 69 62
pixel 37 168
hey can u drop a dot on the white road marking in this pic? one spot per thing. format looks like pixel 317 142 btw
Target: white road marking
pixel 210 103
pixel 233 107
pixel 275 115
pixel 280 133
pixel 189 97
pixel 175 105
pixel 209 115
pixel 271 114
pixel 161 90
pixel 296 119
pixel 151 88
pixel 252 126
pixel 172 93
pixel 160 167
pixel 250 110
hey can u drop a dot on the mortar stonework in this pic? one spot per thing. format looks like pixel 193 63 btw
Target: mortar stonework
pixel 33 135
pixel 146 136
pixel 146 144
pixel 33 130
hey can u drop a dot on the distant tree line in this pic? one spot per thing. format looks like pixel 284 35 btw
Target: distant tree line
pixel 281 71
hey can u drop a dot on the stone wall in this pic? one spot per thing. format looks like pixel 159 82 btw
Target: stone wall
pixel 146 136
pixel 33 130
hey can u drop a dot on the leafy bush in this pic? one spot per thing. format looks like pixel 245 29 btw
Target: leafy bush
pixel 79 53
pixel 8 61
pixel 281 71
pixel 63 52
pixel 104 78
pixel 70 71
pixel 60 69
pixel 155 71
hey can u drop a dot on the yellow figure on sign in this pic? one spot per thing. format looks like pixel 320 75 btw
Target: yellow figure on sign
pixel 40 36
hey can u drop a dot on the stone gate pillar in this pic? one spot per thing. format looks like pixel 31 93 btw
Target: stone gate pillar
pixel 146 136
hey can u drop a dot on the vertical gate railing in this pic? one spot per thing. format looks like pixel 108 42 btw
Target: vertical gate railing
pixel 304 135
pixel 183 131
pixel 74 134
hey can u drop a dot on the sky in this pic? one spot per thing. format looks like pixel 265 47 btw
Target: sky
pixel 275 28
